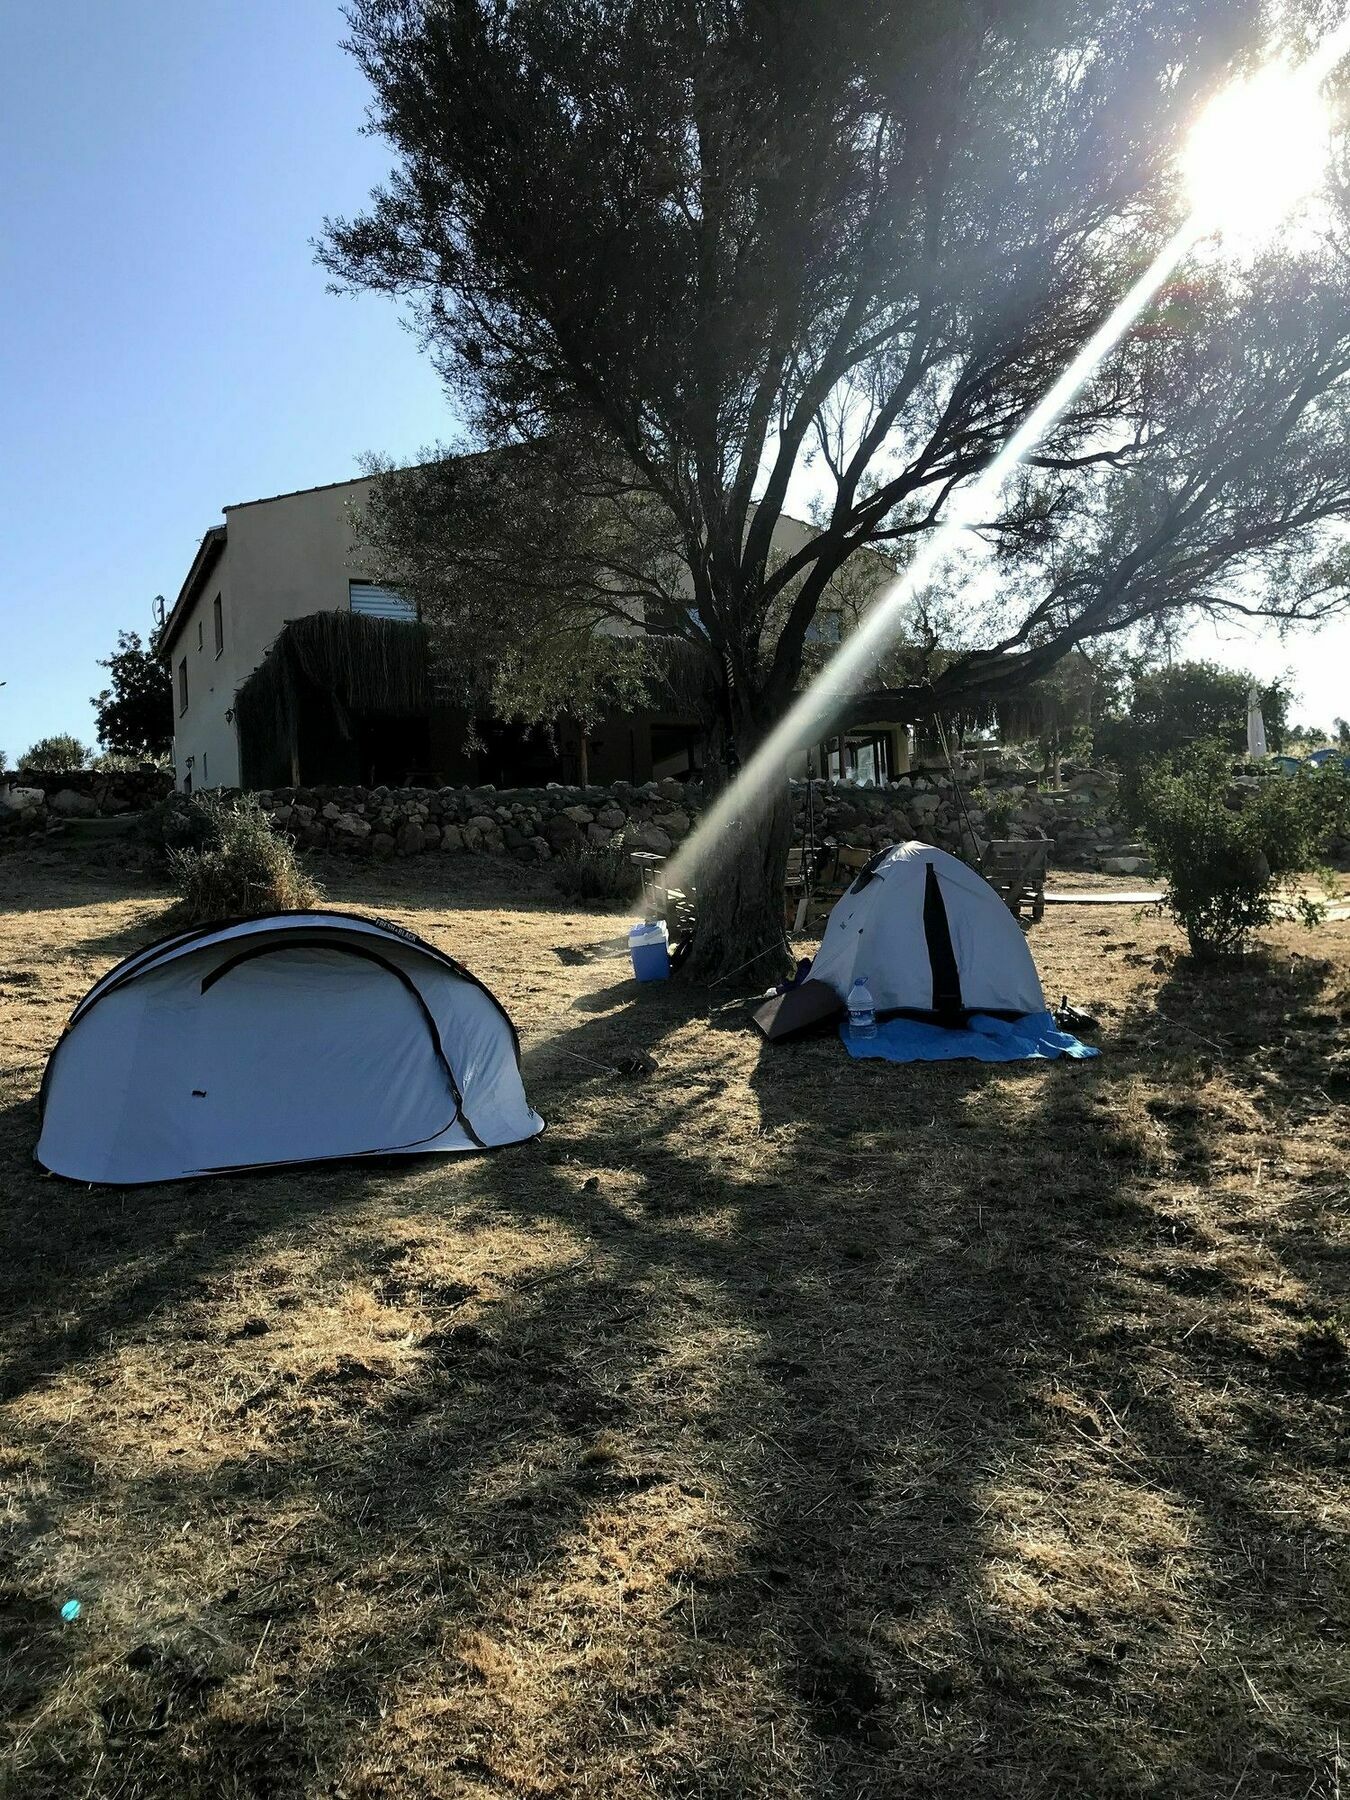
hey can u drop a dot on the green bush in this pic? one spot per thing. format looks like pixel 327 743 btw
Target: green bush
pixel 229 860
pixel 1227 857
pixel 997 809
pixel 597 877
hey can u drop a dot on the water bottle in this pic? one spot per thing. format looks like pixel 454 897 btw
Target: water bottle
pixel 862 1016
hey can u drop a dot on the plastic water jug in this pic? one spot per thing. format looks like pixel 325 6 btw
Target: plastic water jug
pixel 862 1014
pixel 649 948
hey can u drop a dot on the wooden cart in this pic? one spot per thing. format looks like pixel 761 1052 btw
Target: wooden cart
pixel 1015 868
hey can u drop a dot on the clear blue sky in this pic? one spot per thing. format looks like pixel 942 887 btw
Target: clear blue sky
pixel 166 342
pixel 167 345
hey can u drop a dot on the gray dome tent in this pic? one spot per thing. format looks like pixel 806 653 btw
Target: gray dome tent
pixel 293 1037
pixel 931 936
pixel 932 939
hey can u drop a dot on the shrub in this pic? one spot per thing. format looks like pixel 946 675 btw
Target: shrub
pixel 56 755
pixel 1227 858
pixel 604 877
pixel 122 762
pixel 234 862
pixel 997 809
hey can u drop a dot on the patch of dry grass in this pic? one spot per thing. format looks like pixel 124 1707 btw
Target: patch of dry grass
pixel 776 1426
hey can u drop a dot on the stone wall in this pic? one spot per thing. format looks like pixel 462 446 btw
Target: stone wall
pixel 38 798
pixel 535 824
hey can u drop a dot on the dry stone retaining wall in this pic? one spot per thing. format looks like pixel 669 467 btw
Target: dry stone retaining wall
pixel 38 799
pixel 534 825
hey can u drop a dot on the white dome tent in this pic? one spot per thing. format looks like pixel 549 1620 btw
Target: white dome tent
pixel 932 939
pixel 288 1038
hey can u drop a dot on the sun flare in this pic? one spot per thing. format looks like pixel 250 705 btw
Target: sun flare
pixel 1257 151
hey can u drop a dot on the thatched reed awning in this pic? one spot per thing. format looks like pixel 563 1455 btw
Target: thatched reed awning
pixel 360 665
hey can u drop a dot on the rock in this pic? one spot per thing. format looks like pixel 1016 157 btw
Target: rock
pixel 411 839
pixel 350 825
pixel 70 805
pixel 647 837
pixel 302 815
pixel 562 831
pixel 580 815
pixel 924 804
pixel 22 800
pixel 382 844
pixel 599 835
pixel 540 847
pixel 332 810
pixel 674 824
pixel 1125 865
pixel 612 817
pixel 452 838
pixel 114 804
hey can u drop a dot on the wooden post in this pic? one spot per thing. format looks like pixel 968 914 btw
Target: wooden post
pixel 585 760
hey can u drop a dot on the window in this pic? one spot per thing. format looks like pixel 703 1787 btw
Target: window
pixel 218 624
pixel 182 684
pixel 199 634
pixel 379 602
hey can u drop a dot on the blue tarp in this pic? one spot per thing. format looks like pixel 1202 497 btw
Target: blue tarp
pixel 982 1039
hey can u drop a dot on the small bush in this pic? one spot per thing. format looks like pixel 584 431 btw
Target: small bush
pixel 597 877
pixel 1227 858
pixel 234 862
pixel 997 809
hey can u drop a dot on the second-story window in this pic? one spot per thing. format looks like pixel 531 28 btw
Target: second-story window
pixel 182 684
pixel 379 602
pixel 218 624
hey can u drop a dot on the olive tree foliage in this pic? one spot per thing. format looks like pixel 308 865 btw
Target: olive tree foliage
pixel 60 754
pixel 683 250
pixel 533 577
pixel 556 589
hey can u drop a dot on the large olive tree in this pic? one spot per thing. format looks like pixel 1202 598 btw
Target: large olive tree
pixel 678 249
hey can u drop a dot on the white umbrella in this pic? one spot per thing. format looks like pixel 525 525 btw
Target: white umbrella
pixel 1256 726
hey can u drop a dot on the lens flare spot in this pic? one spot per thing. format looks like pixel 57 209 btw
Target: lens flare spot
pixel 1258 150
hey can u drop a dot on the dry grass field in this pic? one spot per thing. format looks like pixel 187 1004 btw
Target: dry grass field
pixel 774 1426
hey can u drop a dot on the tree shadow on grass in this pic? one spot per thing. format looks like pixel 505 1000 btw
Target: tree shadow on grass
pixel 829 1440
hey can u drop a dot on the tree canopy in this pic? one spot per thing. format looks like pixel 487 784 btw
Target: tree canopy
pixel 1164 709
pixel 58 754
pixel 135 711
pixel 690 255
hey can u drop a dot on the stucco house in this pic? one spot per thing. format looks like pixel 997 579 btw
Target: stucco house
pixel 278 562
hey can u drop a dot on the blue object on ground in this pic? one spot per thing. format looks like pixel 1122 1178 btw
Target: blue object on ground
pixel 70 1611
pixel 983 1039
pixel 649 948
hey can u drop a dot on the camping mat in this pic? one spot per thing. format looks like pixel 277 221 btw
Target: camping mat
pixel 983 1039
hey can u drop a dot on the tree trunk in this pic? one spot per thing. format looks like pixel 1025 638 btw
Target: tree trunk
pixel 739 932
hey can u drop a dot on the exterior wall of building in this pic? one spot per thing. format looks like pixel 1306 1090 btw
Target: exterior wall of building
pixel 205 753
pixel 287 557
pixel 283 559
